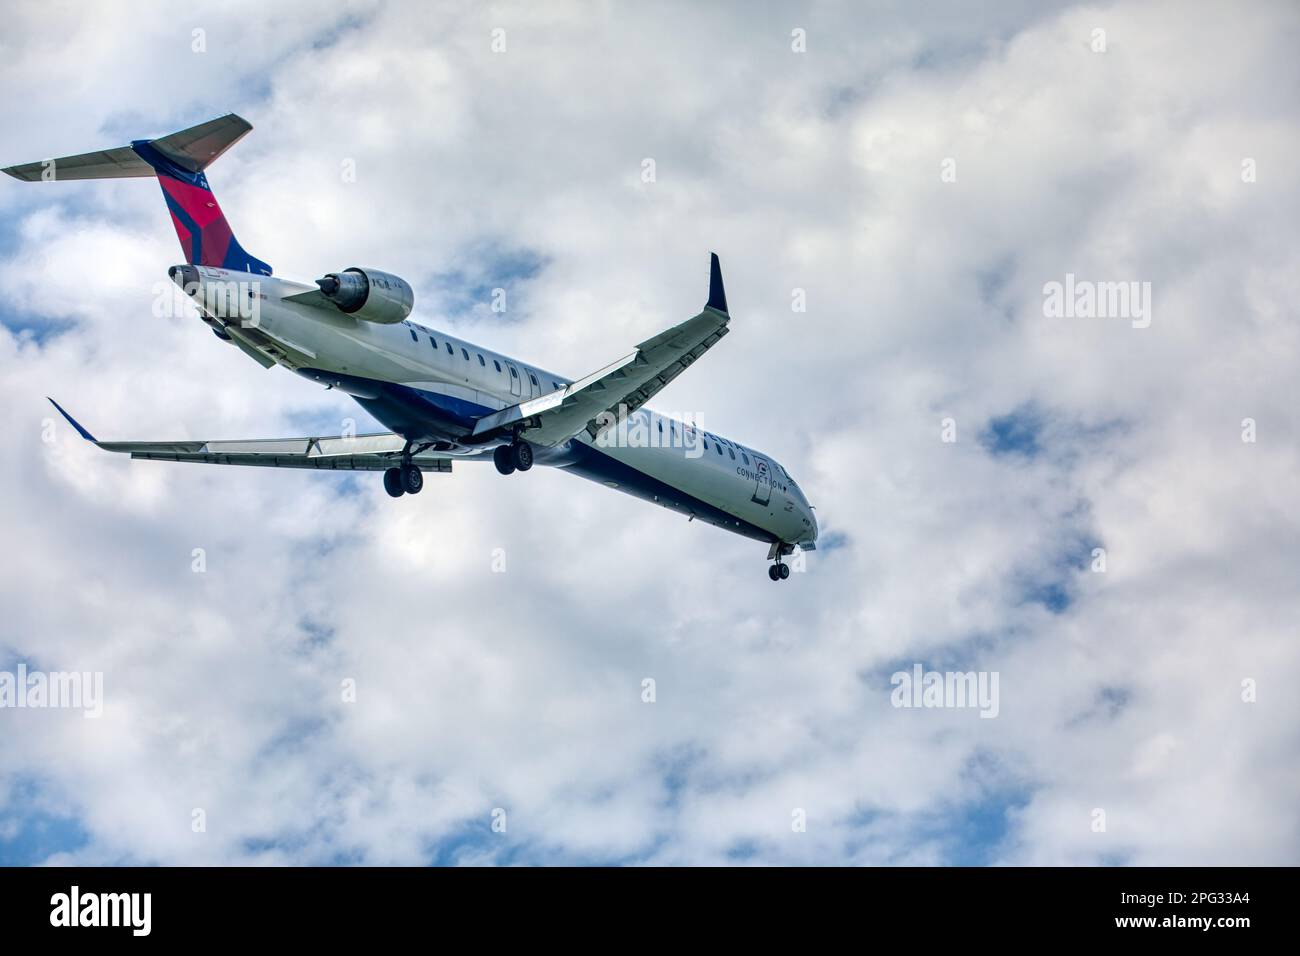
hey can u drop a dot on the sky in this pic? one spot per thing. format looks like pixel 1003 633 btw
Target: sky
pixel 1100 510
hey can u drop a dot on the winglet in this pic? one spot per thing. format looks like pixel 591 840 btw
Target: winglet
pixel 717 294
pixel 73 422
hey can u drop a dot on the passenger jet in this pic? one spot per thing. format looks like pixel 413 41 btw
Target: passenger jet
pixel 444 399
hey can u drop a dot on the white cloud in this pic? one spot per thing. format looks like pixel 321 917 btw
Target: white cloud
pixel 522 691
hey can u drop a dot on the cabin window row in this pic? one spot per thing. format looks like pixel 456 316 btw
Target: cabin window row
pixel 717 444
pixel 433 343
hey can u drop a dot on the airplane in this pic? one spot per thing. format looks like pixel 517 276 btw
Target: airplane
pixel 444 399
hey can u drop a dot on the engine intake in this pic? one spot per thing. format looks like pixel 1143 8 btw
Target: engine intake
pixel 369 294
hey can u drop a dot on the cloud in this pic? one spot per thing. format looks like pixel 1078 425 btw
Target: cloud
pixel 1121 689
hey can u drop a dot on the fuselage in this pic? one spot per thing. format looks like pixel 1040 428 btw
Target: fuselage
pixel 430 387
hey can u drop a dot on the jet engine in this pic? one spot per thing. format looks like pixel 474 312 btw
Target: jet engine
pixel 369 294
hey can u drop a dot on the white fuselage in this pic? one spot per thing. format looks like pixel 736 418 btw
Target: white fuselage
pixel 429 386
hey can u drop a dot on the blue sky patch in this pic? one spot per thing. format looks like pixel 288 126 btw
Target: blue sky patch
pixel 30 833
pixel 1016 433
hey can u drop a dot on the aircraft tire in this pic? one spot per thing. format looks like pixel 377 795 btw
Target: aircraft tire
pixel 412 479
pixel 502 459
pixel 521 455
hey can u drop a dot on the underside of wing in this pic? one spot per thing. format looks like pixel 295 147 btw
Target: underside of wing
pixel 360 453
pixel 375 452
pixel 624 385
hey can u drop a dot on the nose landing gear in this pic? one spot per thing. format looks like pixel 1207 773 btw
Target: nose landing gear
pixel 779 571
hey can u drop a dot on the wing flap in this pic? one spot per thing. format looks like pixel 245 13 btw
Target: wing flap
pixel 376 444
pixel 427 463
pixel 371 452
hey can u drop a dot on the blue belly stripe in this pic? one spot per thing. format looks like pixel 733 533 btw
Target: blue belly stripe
pixel 420 414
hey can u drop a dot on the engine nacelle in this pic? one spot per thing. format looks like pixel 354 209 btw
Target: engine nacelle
pixel 369 294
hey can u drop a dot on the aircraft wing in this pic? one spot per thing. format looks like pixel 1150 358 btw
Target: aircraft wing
pixel 629 382
pixel 375 452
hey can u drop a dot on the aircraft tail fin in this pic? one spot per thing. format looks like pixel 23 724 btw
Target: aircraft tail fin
pixel 178 160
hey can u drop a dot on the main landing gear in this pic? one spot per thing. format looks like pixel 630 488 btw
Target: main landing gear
pixel 779 571
pixel 406 478
pixel 517 456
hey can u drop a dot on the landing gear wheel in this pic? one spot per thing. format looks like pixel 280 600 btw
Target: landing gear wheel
pixel 412 479
pixel 774 573
pixel 502 458
pixel 521 455
pixel 393 482
pixel 784 570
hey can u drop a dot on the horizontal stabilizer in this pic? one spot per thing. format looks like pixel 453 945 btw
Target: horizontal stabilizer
pixel 199 146
pixel 178 161
pixel 104 164
pixel 193 150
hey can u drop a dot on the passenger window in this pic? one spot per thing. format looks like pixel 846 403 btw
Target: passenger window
pixel 744 456
pixel 497 364
pixel 433 342
pixel 706 443
pixel 732 454
pixel 450 350
pixel 464 353
pixel 533 378
pixel 513 373
pixel 557 385
pixel 719 448
pixel 414 337
pixel 480 360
